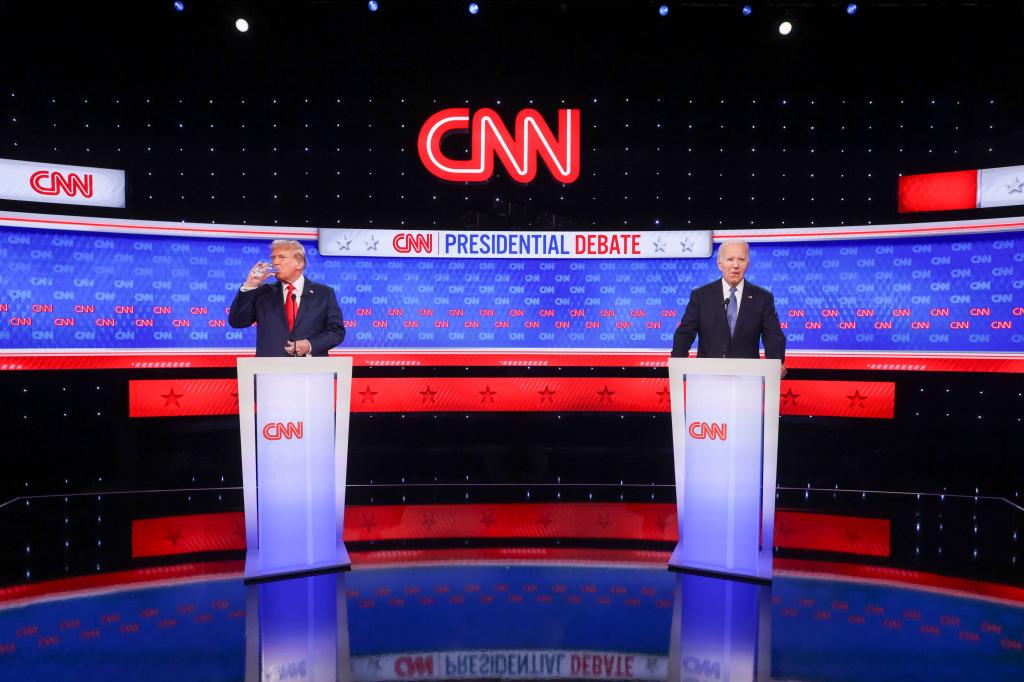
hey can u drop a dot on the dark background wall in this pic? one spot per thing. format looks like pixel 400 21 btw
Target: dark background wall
pixel 701 119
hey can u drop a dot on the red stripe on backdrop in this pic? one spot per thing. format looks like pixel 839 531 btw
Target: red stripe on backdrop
pixel 171 535
pixel 189 534
pixel 182 397
pixel 196 397
pixel 938 191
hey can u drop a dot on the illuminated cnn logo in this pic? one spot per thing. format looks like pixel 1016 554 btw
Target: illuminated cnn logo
pixel 533 143
pixel 420 243
pixel 52 184
pixel 278 430
pixel 712 431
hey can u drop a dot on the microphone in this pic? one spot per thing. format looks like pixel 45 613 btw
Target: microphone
pixel 727 303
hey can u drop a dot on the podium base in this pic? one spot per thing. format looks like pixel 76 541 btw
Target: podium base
pixel 676 564
pixel 255 572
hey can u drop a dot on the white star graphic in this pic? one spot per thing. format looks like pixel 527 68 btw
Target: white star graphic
pixel 1018 189
pixel 659 247
pixel 686 244
pixel 344 243
pixel 371 243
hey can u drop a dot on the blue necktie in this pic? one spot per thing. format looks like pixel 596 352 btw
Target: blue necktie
pixel 732 310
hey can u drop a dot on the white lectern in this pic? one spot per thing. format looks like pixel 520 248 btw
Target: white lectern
pixel 725 435
pixel 294 415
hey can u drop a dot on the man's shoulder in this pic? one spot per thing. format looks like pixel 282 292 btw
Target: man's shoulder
pixel 755 290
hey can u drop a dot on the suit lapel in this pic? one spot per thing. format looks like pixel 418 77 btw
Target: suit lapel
pixel 718 302
pixel 308 298
pixel 278 302
pixel 746 307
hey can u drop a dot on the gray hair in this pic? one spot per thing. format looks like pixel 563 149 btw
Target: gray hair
pixel 297 249
pixel 733 242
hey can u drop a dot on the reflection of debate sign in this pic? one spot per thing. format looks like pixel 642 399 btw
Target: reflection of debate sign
pixel 533 142
pixel 512 664
pixel 66 290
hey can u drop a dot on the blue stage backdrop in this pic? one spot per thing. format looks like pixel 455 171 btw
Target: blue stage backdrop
pixel 69 290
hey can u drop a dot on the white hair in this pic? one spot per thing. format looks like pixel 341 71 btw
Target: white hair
pixel 733 242
pixel 297 249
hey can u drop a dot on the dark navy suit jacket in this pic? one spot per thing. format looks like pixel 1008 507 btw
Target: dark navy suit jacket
pixel 705 319
pixel 318 320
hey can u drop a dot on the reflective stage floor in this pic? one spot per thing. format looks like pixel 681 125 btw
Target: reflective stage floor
pixel 111 604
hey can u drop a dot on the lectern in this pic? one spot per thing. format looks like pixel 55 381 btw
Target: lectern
pixel 725 434
pixel 294 414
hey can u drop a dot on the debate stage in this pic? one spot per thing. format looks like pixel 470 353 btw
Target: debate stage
pixel 511 203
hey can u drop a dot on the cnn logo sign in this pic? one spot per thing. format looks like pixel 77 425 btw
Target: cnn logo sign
pixel 708 431
pixel 533 142
pixel 51 184
pixel 420 243
pixel 279 430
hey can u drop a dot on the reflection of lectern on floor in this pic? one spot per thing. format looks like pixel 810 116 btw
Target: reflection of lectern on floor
pixel 725 433
pixel 297 629
pixel 294 414
pixel 721 630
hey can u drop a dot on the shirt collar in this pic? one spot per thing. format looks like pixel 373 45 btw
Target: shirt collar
pixel 298 284
pixel 726 287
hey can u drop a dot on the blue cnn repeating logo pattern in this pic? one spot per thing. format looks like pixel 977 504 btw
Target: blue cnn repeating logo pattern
pixel 76 290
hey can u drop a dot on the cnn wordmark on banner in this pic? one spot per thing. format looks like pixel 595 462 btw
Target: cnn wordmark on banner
pixel 57 184
pixel 513 244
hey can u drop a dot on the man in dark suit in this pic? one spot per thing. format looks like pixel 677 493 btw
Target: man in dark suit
pixel 730 315
pixel 294 316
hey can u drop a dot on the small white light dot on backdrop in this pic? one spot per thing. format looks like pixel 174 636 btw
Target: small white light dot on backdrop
pixel 242 25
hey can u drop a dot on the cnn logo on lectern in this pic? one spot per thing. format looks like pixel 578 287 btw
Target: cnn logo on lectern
pixel 708 431
pixel 279 430
pixel 520 154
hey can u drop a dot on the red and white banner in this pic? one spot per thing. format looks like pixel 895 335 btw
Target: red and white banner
pixel 637 521
pixel 202 397
pixel 957 190
pixel 57 184
pixel 605 244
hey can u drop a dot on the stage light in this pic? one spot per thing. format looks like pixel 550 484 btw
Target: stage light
pixel 748 10
pixel 851 9
pixel 242 25
pixel 663 10
pixel 785 28
pixel 373 6
pixel 179 6
pixel 474 8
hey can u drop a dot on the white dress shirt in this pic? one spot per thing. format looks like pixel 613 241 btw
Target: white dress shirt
pixel 739 293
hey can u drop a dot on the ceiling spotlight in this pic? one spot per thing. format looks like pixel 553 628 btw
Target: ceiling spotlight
pixel 748 10
pixel 851 9
pixel 474 8
pixel 179 6
pixel 373 6
pixel 242 25
pixel 663 10
pixel 785 28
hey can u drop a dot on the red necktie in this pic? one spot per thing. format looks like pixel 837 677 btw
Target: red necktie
pixel 289 307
